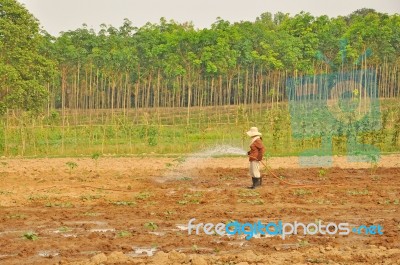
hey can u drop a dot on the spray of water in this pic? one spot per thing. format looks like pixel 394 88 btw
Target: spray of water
pixel 186 166
pixel 219 150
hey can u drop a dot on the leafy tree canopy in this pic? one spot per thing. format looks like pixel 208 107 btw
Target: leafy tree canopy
pixel 23 68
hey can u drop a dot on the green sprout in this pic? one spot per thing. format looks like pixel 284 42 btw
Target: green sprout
pixel 71 165
pixel 31 236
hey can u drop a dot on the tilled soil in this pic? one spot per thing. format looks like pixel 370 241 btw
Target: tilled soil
pixel 136 211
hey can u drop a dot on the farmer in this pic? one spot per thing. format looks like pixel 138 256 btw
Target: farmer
pixel 255 154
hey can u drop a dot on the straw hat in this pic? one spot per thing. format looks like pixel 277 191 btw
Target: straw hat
pixel 253 132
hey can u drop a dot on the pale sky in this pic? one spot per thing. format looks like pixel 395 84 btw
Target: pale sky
pixel 64 15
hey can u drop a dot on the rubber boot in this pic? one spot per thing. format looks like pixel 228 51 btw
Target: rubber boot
pixel 254 180
pixel 258 182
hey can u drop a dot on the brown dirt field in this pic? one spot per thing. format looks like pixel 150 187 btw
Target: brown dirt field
pixel 123 210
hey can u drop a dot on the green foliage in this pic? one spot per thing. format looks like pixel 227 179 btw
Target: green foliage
pixel 89 140
pixel 322 174
pixel 91 214
pixel 191 198
pixel 151 226
pixel 71 165
pixel 124 203
pixel 149 134
pixel 53 118
pixel 320 201
pixel 124 234
pixel 384 201
pixel 64 229
pixel 59 204
pixel 176 55
pixel 196 194
pixel 90 197
pixel 16 216
pixel 151 86
pixel 95 156
pixel 301 192
pixel 252 201
pixel 24 69
pixel 358 192
pixel 185 179
pixel 248 193
pixel 30 236
pixel 38 197
pixel 168 213
pixel 143 195
pixel 303 243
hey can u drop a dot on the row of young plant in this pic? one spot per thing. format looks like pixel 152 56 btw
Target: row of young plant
pixel 283 134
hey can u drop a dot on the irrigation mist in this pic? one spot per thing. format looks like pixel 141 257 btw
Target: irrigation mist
pixel 186 165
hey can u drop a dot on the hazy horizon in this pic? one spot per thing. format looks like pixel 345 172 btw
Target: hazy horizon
pixel 58 15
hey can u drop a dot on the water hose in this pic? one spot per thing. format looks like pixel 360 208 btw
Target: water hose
pixel 285 182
